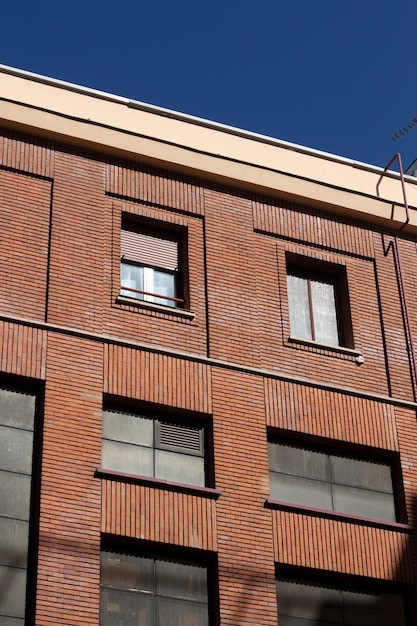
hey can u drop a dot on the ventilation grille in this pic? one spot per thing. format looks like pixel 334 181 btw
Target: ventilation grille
pixel 185 437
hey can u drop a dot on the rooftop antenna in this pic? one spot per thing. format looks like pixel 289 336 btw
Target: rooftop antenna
pixel 412 169
pixel 405 129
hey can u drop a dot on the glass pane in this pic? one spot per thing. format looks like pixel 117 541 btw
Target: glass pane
pixel 13 591
pixel 128 427
pixel 123 608
pixel 298 462
pixel 122 457
pixel 127 571
pixel 15 450
pixel 14 495
pixel 14 537
pixel 181 580
pixel 364 503
pixel 361 609
pixel 309 602
pixel 17 409
pixel 391 610
pixel 300 621
pixel 163 284
pixel 132 277
pixel 180 613
pixel 179 468
pixel 298 307
pixel 356 473
pixel 324 310
pixel 300 491
pixel 11 621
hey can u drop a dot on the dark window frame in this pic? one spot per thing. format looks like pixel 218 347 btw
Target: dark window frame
pixel 341 584
pixel 352 452
pixel 166 553
pixel 170 232
pixel 312 269
pixel 33 387
pixel 158 416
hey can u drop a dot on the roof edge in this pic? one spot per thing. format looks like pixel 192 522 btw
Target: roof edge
pixel 191 119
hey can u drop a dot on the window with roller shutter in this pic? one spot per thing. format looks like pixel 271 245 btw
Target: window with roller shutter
pixel 150 265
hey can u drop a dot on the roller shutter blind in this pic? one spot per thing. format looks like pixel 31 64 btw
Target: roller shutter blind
pixel 149 250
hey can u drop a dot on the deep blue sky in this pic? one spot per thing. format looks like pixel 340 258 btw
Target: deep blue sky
pixel 335 76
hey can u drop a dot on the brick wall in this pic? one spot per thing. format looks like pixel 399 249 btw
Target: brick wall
pixel 231 364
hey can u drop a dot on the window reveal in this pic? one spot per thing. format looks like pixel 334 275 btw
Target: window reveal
pixel 306 604
pixel 152 591
pixel 17 413
pixel 137 444
pixel 331 482
pixel 150 266
pixel 313 306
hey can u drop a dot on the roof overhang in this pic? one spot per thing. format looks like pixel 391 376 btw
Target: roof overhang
pixel 117 126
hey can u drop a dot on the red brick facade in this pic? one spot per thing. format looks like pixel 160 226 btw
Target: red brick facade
pixel 231 364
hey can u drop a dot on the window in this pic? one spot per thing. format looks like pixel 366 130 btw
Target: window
pixel 318 302
pixel 306 604
pixel 152 591
pixel 150 265
pixel 327 481
pixel 138 444
pixel 17 412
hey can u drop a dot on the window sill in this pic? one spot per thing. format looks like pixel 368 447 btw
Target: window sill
pixel 356 354
pixel 158 483
pixel 341 517
pixel 151 306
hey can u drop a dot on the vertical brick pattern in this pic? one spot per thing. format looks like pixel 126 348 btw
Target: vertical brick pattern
pixel 23 350
pixel 152 514
pixel 232 278
pixel 69 537
pixel 154 186
pixel 246 568
pixel 237 251
pixel 77 243
pixel 406 426
pixel 157 378
pixel 133 321
pixel 26 154
pixel 305 224
pixel 322 412
pixel 24 215
pixel 338 546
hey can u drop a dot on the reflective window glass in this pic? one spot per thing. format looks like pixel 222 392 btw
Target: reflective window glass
pixel 325 481
pixel 361 473
pixel 144 590
pixel 17 409
pixel 150 264
pixel 17 418
pixel 181 580
pixel 14 535
pixel 179 468
pixel 303 604
pixel 16 450
pixel 312 302
pixel 128 427
pixel 15 495
pixel 312 493
pixel 134 444
pixel 12 603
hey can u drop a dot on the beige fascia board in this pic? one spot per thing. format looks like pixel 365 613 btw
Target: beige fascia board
pixel 113 125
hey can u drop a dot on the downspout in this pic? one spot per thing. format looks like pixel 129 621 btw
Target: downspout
pixel 409 335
